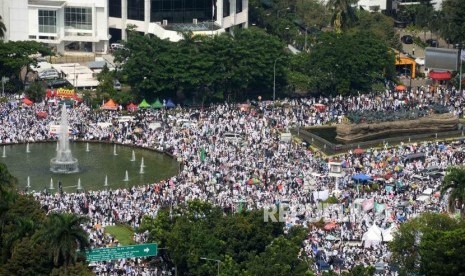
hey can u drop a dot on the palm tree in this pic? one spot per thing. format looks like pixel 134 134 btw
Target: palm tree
pixel 2 28
pixel 455 181
pixel 63 235
pixel 343 13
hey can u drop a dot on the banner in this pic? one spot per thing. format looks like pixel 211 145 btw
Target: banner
pixel 321 195
pixel 368 204
pixel 65 93
pixel 379 207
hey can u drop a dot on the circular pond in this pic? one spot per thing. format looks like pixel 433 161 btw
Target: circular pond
pixel 97 162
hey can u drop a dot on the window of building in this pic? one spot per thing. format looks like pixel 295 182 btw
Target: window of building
pixel 78 18
pixel 114 7
pixel 238 6
pixel 32 37
pixel 136 9
pixel 47 21
pixel 226 6
pixel 181 11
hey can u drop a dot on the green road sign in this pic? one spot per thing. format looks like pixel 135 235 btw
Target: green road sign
pixel 122 252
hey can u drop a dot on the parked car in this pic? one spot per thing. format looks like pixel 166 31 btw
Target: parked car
pixel 407 39
pixel 116 46
pixel 49 74
pixel 432 42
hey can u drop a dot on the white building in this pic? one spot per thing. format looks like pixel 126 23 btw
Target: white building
pixel 375 5
pixel 73 25
pixel 90 25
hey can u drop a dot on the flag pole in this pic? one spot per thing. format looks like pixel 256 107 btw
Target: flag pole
pixel 460 74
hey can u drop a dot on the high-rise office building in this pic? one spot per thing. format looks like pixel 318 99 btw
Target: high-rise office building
pixel 91 25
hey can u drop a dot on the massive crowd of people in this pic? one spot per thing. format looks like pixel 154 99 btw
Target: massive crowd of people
pixel 234 158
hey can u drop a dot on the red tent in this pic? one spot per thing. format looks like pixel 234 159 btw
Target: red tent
pixel 358 151
pixel 320 107
pixel 440 75
pixel 110 105
pixel 26 101
pixel 132 107
pixel 41 114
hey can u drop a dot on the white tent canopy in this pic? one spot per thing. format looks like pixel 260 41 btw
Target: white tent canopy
pixel 372 236
pixel 387 233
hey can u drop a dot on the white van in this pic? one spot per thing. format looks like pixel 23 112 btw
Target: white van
pixel 116 46
pixel 49 74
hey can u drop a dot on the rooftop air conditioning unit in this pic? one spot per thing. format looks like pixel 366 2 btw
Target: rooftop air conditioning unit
pixel 194 21
pixel 165 22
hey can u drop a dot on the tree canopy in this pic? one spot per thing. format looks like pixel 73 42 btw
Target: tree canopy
pixel 32 243
pixel 243 242
pixel 222 66
pixel 452 23
pixel 430 245
pixel 16 56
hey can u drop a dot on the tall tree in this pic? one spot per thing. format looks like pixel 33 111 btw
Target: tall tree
pixel 36 91
pixel 314 13
pixel 2 28
pixel 63 235
pixel 452 23
pixel 343 14
pixel 410 239
pixel 455 181
pixel 349 63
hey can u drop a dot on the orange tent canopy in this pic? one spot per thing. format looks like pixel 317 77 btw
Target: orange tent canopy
pixel 110 105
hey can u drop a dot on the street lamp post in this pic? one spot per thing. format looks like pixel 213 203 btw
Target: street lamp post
pixel 215 260
pixel 274 78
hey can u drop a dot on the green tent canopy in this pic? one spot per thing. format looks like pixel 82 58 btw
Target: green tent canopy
pixel 157 104
pixel 144 104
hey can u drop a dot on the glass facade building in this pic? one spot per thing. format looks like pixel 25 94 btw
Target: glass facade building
pixel 136 9
pixel 47 21
pixel 114 8
pixel 78 18
pixel 181 11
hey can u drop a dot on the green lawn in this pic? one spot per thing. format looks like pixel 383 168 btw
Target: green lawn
pixel 122 233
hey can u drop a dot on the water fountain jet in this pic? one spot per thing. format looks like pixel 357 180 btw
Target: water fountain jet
pixel 64 162
pixel 126 178
pixel 51 184
pixel 133 159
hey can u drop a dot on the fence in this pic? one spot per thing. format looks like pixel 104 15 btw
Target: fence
pixel 72 58
pixel 331 148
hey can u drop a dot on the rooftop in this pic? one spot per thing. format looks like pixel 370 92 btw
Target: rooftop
pixel 48 3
